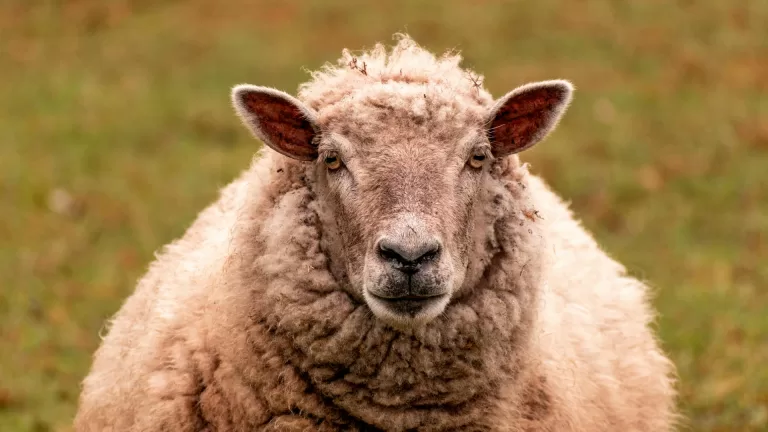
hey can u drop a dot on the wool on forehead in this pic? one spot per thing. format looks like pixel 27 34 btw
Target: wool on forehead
pixel 406 80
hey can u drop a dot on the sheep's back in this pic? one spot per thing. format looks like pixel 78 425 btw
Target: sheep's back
pixel 137 342
pixel 598 356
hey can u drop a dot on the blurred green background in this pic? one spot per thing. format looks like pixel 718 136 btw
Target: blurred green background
pixel 116 129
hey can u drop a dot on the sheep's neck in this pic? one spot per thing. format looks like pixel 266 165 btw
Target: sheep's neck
pixel 442 374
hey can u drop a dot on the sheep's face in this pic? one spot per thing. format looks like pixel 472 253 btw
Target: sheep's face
pixel 403 177
pixel 407 201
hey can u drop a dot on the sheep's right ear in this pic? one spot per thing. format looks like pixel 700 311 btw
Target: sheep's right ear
pixel 278 119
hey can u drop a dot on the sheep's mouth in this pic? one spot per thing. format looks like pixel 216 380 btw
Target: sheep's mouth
pixel 410 305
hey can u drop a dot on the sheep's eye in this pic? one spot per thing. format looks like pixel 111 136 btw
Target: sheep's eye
pixel 332 161
pixel 477 160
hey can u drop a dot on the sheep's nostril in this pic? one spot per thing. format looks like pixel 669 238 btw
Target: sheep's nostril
pixel 388 253
pixel 430 255
pixel 408 256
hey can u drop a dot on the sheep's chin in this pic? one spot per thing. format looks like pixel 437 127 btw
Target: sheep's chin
pixel 429 310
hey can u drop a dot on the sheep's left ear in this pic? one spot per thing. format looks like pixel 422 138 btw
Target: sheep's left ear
pixel 526 115
pixel 278 119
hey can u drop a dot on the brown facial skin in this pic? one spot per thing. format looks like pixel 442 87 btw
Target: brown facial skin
pixel 407 204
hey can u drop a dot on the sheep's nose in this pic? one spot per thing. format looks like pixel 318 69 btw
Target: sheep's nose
pixel 409 256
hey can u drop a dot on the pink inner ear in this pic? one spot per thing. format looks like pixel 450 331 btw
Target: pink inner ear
pixel 288 131
pixel 524 119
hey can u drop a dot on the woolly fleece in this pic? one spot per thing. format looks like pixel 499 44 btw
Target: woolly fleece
pixel 246 323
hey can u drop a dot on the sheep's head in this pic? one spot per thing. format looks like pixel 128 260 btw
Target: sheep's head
pixel 403 169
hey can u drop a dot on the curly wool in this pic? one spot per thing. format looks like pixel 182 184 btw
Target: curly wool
pixel 406 65
pixel 241 324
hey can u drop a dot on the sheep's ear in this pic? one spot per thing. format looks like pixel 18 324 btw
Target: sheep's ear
pixel 278 119
pixel 526 115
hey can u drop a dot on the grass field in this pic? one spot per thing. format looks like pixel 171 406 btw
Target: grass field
pixel 116 129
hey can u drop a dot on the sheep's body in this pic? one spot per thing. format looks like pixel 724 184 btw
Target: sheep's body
pixel 240 325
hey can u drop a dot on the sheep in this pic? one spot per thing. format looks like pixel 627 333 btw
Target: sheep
pixel 386 263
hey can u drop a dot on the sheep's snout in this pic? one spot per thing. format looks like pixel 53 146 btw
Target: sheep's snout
pixel 409 257
pixel 408 273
